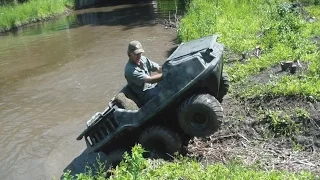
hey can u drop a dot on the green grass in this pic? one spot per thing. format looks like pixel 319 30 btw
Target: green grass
pixel 20 14
pixel 134 166
pixel 230 19
pixel 281 32
pixel 308 87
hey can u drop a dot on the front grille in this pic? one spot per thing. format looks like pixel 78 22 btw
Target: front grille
pixel 102 130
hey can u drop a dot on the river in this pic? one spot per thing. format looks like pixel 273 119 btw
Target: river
pixel 55 75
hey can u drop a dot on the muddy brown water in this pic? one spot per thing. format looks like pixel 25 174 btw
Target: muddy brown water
pixel 55 75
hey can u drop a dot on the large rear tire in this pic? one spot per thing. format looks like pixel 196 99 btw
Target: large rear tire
pixel 224 86
pixel 160 142
pixel 200 115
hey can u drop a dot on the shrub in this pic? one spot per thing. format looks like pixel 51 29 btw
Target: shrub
pixel 134 166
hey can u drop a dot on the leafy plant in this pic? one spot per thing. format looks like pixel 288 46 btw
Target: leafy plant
pixel 132 167
pixel 302 113
pixel 281 123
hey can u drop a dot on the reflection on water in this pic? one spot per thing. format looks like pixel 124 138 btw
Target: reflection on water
pixel 54 75
pixel 148 12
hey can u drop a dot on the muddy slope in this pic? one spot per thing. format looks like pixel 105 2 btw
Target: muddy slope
pixel 247 135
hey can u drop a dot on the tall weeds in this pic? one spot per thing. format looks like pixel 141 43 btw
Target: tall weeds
pixel 15 15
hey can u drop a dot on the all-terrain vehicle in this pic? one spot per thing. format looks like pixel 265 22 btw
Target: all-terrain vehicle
pixel 189 105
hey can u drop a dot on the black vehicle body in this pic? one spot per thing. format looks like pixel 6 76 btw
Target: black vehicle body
pixel 195 67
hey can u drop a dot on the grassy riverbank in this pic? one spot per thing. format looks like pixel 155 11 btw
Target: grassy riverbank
pixel 15 15
pixel 136 167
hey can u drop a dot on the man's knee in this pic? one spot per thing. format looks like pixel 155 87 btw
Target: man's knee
pixel 151 93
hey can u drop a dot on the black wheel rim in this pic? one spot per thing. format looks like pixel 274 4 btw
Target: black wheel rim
pixel 199 119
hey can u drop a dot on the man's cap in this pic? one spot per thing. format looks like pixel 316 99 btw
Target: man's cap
pixel 136 47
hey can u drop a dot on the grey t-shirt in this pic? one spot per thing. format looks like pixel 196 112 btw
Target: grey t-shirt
pixel 135 75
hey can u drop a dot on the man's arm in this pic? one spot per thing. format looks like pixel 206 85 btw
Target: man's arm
pixel 138 77
pixel 153 79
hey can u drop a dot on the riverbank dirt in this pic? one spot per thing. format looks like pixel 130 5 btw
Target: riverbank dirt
pixel 247 137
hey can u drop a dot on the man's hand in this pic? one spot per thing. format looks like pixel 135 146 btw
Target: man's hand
pixel 154 78
pixel 160 70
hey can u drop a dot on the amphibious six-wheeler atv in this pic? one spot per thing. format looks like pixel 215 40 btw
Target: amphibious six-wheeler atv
pixel 193 86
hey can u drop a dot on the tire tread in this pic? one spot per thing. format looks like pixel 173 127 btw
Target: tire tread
pixel 203 100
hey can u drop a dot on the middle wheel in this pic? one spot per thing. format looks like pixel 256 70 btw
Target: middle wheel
pixel 160 142
pixel 200 115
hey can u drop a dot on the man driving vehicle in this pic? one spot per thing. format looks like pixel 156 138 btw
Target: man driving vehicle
pixel 138 73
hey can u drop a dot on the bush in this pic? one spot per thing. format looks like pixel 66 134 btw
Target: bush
pixel 136 167
pixel 281 124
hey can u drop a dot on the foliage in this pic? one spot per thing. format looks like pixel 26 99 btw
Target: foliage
pixel 302 113
pixel 169 8
pixel 281 124
pixel 134 166
pixel 227 18
pixel 14 15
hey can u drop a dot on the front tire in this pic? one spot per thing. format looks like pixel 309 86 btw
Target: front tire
pixel 114 158
pixel 160 142
pixel 200 115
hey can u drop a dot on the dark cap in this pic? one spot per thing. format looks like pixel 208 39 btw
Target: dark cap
pixel 135 46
